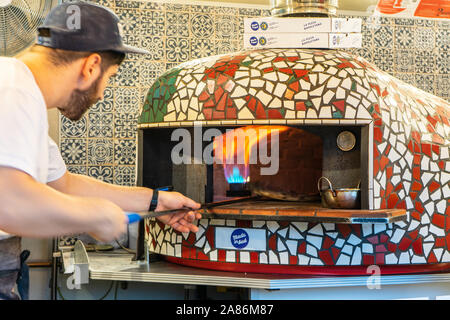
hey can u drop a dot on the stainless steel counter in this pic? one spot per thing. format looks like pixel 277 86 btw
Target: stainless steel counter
pixel 119 266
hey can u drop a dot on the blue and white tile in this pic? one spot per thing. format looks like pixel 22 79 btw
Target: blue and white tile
pixel 149 72
pixel 73 129
pixel 100 151
pixel 424 38
pixel 177 24
pixel 77 169
pixel 125 175
pixel 201 48
pixel 226 27
pixel 202 25
pixel 127 4
pixel 128 74
pixel 424 61
pixel 383 37
pixel 226 46
pixel 73 150
pixel 442 85
pixel 443 39
pixel 100 125
pixel 127 18
pixel 383 58
pixel 102 173
pixel 442 61
pixel 125 125
pixel 177 49
pixel 155 46
pixel 153 23
pixel 404 60
pixel 126 100
pixel 124 152
pixel 403 37
pixel 425 82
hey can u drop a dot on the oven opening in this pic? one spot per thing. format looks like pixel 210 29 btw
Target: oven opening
pixel 286 165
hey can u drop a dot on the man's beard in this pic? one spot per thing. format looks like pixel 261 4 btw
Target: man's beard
pixel 80 101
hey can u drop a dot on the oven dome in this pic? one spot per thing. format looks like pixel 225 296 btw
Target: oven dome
pixel 293 86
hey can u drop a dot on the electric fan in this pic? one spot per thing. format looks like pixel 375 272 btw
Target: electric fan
pixel 19 20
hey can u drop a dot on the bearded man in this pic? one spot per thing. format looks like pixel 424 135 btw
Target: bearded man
pixel 68 68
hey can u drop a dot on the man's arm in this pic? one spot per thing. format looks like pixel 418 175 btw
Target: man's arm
pixel 132 199
pixel 32 209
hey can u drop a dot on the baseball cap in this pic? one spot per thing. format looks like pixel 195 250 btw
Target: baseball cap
pixel 83 26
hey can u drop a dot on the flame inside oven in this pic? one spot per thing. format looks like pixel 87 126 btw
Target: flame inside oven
pixel 238 148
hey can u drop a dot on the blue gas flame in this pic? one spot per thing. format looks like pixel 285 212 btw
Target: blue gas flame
pixel 236 176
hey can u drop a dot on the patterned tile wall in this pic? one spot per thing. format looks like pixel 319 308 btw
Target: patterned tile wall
pixel 103 143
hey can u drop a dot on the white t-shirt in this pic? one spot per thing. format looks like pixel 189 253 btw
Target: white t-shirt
pixel 24 141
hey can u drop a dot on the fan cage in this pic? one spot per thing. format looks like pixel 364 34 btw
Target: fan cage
pixel 19 21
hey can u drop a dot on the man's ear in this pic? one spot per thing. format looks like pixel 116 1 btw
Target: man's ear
pixel 90 71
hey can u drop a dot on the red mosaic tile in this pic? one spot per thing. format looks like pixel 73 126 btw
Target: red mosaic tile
pixel 379 258
pixel 415 215
pixel 377 134
pixel 376 167
pixel 383 162
pixel 392 201
pixel 426 148
pixel 210 236
pixel 326 257
pixel 260 111
pixel 274 114
pixel 327 243
pixel 432 258
pixel 438 220
pixel 416 186
pixel 218 93
pixel 419 207
pixel 273 242
pixel 252 104
pixel 221 79
pixel 335 252
pixel 433 186
pixel 254 257
pixel 203 96
pixel 218 115
pixel 340 104
pixel 221 255
pixel 413 234
pixel 392 247
pixel 439 242
pixel 344 229
pixel 221 104
pixel 373 239
pixel 404 244
pixel 380 248
pixel 301 247
pixel 201 255
pixel 293 260
pixel 384 238
pixel 418 247
pixel 300 72
pixel 368 259
pixel 231 113
pixel 300 106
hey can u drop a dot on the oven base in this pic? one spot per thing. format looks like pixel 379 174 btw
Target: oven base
pixel 310 270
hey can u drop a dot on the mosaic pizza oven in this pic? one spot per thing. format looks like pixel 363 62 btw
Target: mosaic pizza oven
pixel 335 116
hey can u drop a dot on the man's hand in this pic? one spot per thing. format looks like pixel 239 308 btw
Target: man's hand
pixel 182 221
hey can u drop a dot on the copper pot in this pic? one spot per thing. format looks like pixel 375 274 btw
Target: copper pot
pixel 344 198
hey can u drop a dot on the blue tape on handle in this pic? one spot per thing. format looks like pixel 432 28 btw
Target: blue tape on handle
pixel 133 217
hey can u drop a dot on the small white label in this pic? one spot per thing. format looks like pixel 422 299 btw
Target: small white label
pixel 241 239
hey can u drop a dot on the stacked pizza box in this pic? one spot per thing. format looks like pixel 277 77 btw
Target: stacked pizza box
pixel 299 32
